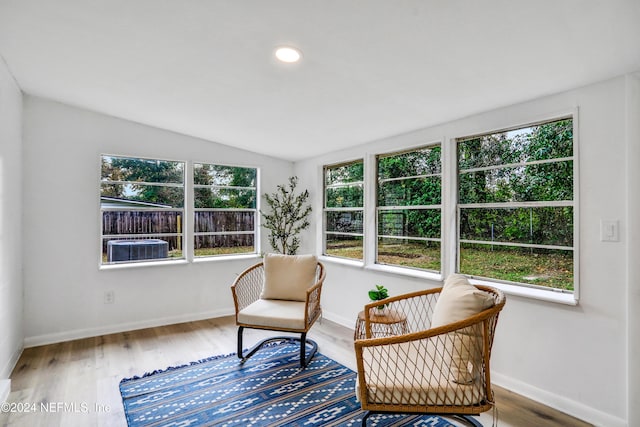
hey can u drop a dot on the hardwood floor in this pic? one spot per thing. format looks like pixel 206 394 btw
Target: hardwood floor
pixel 75 383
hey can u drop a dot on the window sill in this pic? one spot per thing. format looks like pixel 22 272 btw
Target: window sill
pixel 533 293
pixel 142 264
pixel 219 258
pixel 342 261
pixel 409 272
pixel 389 269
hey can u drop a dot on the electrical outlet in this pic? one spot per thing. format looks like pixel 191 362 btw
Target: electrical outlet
pixel 109 297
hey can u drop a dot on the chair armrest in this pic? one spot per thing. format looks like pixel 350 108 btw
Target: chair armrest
pixel 486 316
pixel 313 308
pixel 247 287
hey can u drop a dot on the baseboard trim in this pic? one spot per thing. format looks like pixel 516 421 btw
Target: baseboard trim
pixel 11 363
pixel 121 327
pixel 5 389
pixel 560 403
pixel 340 320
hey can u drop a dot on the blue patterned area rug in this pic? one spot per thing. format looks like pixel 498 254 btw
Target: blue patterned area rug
pixel 270 389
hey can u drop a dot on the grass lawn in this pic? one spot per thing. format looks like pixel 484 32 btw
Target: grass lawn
pixel 224 251
pixel 176 253
pixel 346 249
pixel 415 255
pixel 548 269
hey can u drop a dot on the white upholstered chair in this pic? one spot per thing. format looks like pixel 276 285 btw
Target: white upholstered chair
pixel 282 293
pixel 439 364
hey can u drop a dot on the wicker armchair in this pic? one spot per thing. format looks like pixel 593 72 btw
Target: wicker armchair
pixel 293 306
pixel 426 369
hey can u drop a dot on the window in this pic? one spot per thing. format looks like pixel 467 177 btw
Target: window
pixel 409 208
pixel 224 210
pixel 516 208
pixel 343 210
pixel 142 208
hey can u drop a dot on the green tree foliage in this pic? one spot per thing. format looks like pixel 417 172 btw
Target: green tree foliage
pixel 511 168
pixel 533 164
pixel 226 186
pixel 140 179
pixel 288 217
pixel 344 188
pixel 530 164
pixel 410 179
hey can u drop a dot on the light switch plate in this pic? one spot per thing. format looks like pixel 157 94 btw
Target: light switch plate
pixel 609 231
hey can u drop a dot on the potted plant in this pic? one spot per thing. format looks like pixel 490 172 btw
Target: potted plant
pixel 288 217
pixel 377 294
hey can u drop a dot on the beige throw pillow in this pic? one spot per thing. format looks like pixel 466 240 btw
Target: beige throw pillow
pixel 287 277
pixel 459 300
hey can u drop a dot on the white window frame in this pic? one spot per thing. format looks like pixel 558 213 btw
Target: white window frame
pixel 398 268
pixel 523 289
pixel 326 210
pixel 151 208
pixel 256 212
pixel 449 225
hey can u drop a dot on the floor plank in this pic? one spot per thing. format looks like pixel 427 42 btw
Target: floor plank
pixel 76 383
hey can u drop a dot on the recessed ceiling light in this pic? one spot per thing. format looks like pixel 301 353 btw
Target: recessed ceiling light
pixel 288 54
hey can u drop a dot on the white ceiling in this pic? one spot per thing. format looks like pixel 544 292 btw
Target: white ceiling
pixel 371 68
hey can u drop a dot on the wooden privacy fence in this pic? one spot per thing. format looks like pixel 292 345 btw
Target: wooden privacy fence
pixel 224 221
pixel 161 224
pixel 147 224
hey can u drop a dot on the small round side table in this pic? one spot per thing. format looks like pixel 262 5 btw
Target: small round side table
pixel 384 323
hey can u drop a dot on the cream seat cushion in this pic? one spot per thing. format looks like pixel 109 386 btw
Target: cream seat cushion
pixel 287 277
pixel 411 373
pixel 277 314
pixel 460 300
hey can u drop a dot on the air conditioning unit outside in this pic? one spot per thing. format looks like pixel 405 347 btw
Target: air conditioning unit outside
pixel 134 250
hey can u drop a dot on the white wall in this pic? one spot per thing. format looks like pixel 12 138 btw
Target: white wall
pixel 11 328
pixel 633 267
pixel 64 286
pixel 571 358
